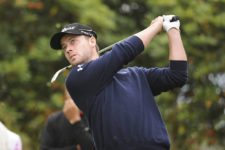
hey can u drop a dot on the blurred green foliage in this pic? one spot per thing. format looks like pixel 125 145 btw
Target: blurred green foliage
pixel 194 114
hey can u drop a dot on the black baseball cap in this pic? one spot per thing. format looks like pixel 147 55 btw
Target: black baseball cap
pixel 75 29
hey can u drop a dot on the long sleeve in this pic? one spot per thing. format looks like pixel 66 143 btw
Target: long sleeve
pixel 163 79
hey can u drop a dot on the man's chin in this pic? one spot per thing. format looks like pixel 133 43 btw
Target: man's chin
pixel 75 63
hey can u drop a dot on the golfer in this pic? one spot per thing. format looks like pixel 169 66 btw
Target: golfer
pixel 119 102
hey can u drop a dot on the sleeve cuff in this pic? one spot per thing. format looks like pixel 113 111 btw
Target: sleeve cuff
pixel 180 65
pixel 137 42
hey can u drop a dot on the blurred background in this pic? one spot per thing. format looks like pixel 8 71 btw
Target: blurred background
pixel 194 115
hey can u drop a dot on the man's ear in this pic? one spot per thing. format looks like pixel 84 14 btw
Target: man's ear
pixel 92 41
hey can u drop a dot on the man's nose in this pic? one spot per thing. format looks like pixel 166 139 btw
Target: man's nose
pixel 68 49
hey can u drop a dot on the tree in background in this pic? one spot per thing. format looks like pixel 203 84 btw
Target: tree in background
pixel 194 115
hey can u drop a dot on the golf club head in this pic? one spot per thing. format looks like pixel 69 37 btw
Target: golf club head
pixel 58 72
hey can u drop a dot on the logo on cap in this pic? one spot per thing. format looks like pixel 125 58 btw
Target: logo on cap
pixel 67 28
pixel 86 33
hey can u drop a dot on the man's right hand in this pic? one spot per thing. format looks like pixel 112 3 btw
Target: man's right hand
pixel 159 23
pixel 151 31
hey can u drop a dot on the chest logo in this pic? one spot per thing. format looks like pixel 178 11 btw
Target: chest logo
pixel 79 68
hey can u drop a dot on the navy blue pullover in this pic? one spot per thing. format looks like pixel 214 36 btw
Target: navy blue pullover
pixel 119 102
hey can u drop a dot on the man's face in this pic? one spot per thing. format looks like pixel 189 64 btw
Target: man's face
pixel 77 49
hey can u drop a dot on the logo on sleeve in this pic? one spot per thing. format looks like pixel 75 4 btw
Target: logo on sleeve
pixel 79 68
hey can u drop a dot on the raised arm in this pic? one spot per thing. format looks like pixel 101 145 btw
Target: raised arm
pixel 176 48
pixel 163 79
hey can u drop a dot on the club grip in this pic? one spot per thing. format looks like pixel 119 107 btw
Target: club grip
pixel 174 18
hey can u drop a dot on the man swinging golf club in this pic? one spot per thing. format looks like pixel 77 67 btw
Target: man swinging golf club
pixel 119 102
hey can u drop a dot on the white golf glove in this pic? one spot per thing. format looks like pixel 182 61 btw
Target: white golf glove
pixel 167 24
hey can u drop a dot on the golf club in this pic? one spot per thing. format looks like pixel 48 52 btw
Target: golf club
pixel 174 18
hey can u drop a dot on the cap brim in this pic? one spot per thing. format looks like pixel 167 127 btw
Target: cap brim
pixel 56 39
pixel 55 42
